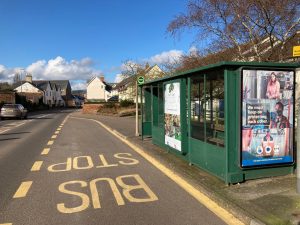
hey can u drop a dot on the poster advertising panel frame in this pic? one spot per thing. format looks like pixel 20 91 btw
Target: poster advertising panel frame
pixel 267 117
pixel 172 115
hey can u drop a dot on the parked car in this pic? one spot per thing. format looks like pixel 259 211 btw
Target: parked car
pixel 13 111
pixel 114 98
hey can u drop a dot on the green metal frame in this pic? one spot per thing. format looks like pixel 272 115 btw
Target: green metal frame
pixel 223 162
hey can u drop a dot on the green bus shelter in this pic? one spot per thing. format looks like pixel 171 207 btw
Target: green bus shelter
pixel 235 120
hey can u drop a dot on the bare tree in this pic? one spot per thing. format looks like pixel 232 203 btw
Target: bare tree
pixel 16 78
pixel 252 29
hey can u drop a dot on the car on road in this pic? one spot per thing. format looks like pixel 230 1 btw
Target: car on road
pixel 13 111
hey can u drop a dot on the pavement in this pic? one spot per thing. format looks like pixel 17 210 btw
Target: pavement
pixel 267 201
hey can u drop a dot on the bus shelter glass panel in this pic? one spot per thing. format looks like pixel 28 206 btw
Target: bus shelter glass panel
pixel 161 114
pixel 267 117
pixel 146 106
pixel 214 90
pixel 207 108
pixel 197 108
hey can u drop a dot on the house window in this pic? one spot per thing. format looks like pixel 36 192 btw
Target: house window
pixel 207 108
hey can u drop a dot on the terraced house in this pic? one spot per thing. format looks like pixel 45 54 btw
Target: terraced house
pixel 54 93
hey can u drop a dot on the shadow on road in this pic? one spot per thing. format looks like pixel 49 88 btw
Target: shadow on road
pixel 43 118
pixel 8 139
pixel 25 132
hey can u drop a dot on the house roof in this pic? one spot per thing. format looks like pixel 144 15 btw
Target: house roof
pixel 19 83
pixel 125 82
pixel 54 84
pixel 63 84
pixel 88 83
pixel 41 84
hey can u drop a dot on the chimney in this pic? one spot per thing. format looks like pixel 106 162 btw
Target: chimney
pixel 28 78
pixel 102 78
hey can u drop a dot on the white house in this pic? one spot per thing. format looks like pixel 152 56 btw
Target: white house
pixel 48 91
pixel 52 92
pixel 127 87
pixel 97 90
pixel 30 91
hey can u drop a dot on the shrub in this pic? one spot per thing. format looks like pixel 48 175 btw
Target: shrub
pixel 126 103
pixel 109 105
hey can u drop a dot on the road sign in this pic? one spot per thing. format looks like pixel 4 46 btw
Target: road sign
pixel 296 51
pixel 140 80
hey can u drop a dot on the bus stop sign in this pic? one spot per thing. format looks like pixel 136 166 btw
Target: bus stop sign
pixel 140 80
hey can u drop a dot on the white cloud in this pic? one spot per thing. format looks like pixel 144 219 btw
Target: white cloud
pixel 7 74
pixel 171 56
pixel 59 69
pixel 55 69
pixel 78 85
pixel 193 51
pixel 118 78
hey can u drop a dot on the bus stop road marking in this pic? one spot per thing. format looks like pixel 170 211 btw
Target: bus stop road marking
pixel 36 166
pixel 223 214
pixel 45 151
pixel 50 142
pixel 23 189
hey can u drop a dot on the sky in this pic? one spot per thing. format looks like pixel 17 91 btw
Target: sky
pixel 79 39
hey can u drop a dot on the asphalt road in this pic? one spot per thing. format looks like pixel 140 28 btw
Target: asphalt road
pixel 58 169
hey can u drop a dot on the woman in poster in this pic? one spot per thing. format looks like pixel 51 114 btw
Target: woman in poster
pixel 273 88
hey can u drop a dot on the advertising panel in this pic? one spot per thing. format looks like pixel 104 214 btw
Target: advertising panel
pixel 172 115
pixel 267 117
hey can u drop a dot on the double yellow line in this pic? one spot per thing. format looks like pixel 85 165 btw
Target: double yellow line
pixel 26 185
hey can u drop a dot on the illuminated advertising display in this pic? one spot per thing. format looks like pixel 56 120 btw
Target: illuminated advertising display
pixel 267 117
pixel 172 115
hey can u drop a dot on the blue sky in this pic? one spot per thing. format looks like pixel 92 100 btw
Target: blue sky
pixel 76 39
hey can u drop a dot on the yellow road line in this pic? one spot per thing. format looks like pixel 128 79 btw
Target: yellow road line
pixel 223 214
pixel 56 132
pixel 23 189
pixel 54 136
pixel 50 142
pixel 58 129
pixel 36 166
pixel 45 151
pixel 5 223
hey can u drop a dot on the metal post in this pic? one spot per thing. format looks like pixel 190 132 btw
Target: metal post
pixel 298 154
pixel 298 137
pixel 136 110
